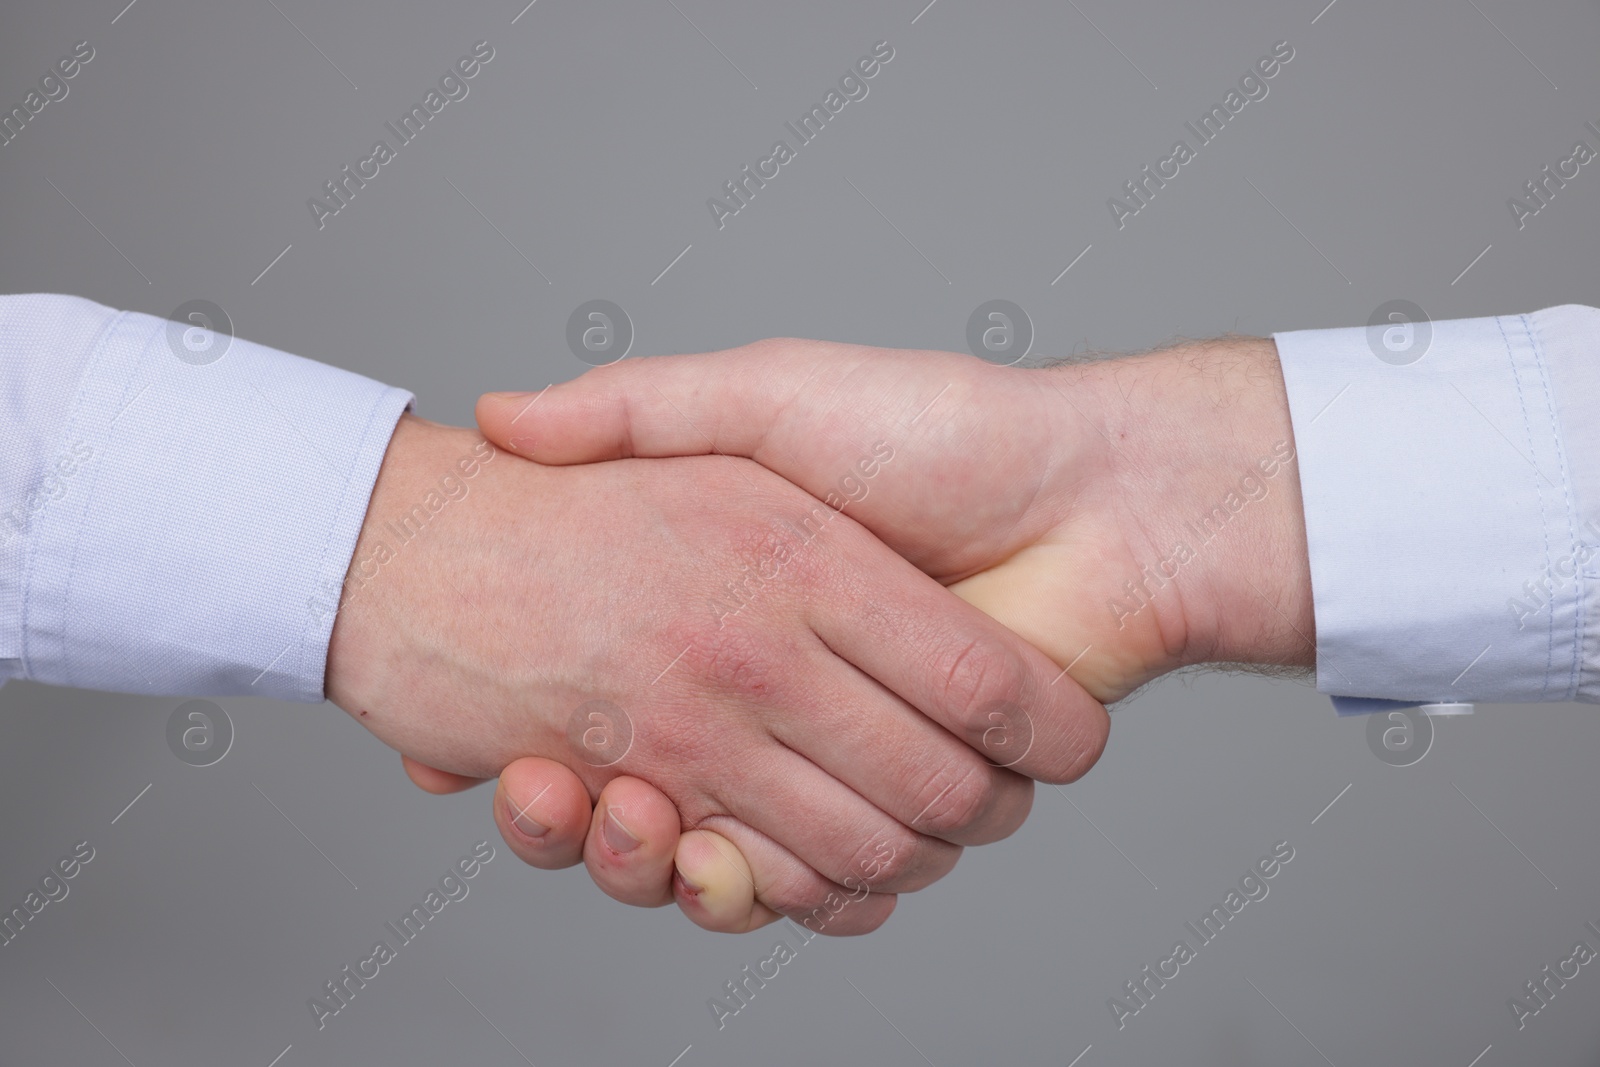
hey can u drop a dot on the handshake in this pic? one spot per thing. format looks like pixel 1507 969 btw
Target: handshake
pixel 778 630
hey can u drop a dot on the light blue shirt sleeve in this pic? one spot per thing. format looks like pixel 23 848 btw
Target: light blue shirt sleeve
pixel 175 525
pixel 1451 479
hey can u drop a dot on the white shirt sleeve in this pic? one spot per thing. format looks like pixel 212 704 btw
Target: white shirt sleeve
pixel 1452 506
pixel 174 525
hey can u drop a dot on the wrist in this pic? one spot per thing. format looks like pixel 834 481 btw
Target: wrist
pixel 387 577
pixel 1201 452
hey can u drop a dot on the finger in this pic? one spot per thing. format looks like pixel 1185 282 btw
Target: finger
pixel 948 660
pixel 907 765
pixel 784 884
pixel 714 887
pixel 830 827
pixel 632 837
pixel 830 418
pixel 433 780
pixel 542 810
pixel 811 411
pixel 622 409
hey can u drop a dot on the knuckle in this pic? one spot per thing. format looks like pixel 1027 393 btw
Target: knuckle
pixel 957 800
pixel 611 379
pixel 977 677
pixel 886 859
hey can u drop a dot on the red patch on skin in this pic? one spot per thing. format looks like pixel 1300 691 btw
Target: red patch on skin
pixel 363 711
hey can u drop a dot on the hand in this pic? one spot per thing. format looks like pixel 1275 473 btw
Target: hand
pixel 1048 497
pixel 811 716
pixel 1128 517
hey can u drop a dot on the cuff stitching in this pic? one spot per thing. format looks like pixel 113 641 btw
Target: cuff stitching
pixel 96 353
pixel 1580 591
pixel 1544 526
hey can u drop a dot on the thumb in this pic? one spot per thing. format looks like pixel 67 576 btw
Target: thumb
pixel 714 887
pixel 723 402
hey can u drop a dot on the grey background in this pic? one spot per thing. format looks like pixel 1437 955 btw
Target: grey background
pixel 991 141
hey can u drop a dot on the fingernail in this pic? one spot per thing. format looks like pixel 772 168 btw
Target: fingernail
pixel 527 824
pixel 616 834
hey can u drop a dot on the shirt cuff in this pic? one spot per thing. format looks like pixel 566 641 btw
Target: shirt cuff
pixel 203 539
pixel 1450 473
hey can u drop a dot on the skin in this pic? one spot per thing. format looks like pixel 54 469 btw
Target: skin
pixel 831 730
pixel 1046 498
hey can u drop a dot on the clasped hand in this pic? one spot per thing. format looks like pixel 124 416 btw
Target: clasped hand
pixel 778 630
